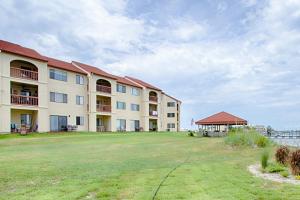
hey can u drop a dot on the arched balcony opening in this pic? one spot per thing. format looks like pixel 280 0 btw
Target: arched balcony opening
pixel 153 96
pixel 23 69
pixel 103 86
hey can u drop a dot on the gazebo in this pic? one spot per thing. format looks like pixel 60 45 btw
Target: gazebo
pixel 220 122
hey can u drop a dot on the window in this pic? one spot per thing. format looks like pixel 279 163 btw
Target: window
pixel 135 91
pixel 58 97
pixel 121 88
pixel 79 121
pixel 26 119
pixel 171 114
pixel 79 80
pixel 58 75
pixel 79 100
pixel 135 107
pixel 171 125
pixel 121 105
pixel 121 125
pixel 171 104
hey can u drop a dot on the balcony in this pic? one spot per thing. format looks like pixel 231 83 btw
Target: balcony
pixel 24 100
pixel 153 98
pixel 23 73
pixel 102 88
pixel 153 113
pixel 103 108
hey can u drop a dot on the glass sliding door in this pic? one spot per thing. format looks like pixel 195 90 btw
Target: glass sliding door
pixel 134 125
pixel 58 123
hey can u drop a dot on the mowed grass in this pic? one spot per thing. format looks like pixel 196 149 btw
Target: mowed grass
pixel 130 166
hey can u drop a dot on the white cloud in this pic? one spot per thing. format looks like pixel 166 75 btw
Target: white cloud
pixel 255 67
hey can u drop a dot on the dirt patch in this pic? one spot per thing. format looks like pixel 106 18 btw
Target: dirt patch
pixel 256 170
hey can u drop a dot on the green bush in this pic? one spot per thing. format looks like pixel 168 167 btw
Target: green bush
pixel 261 141
pixel 191 133
pixel 284 173
pixel 249 138
pixel 264 159
pixel 275 168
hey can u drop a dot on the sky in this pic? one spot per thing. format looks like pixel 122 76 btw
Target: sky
pixel 239 56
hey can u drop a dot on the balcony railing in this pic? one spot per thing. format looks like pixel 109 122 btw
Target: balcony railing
pixel 102 88
pixel 23 73
pixel 153 113
pixel 153 98
pixel 24 100
pixel 103 108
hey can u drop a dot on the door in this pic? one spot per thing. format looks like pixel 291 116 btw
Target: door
pixel 62 123
pixel 137 125
pixel 58 123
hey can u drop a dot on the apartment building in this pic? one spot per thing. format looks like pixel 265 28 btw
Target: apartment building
pixel 42 94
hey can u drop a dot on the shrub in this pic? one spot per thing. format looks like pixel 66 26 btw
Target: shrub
pixel 295 162
pixel 275 167
pixel 297 177
pixel 261 141
pixel 264 159
pixel 284 173
pixel 250 138
pixel 282 155
pixel 191 133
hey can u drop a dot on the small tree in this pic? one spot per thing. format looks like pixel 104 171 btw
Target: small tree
pixel 295 162
pixel 282 155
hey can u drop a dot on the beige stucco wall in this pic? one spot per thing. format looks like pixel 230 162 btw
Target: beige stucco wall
pixel 166 110
pixel 6 80
pixel 93 93
pixel 69 109
pixel 128 114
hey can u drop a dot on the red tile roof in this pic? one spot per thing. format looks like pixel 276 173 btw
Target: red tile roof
pixel 172 97
pixel 19 50
pixel 147 85
pixel 125 81
pixel 63 65
pixel 95 70
pixel 222 118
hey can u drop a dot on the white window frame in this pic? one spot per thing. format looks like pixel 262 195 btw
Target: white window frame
pixel 135 91
pixel 119 107
pixel 79 79
pixel 58 97
pixel 135 107
pixel 79 100
pixel 58 75
pixel 81 120
pixel 121 88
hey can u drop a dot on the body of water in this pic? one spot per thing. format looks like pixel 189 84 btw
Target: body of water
pixel 287 141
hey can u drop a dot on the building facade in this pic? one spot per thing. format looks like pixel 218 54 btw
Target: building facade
pixel 42 94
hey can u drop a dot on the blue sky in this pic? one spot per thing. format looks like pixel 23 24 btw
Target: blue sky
pixel 236 56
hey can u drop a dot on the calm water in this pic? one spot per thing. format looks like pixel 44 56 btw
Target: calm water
pixel 289 142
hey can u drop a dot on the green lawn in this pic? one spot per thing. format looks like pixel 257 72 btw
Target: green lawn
pixel 130 166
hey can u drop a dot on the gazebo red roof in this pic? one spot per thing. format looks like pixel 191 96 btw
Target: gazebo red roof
pixel 222 118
